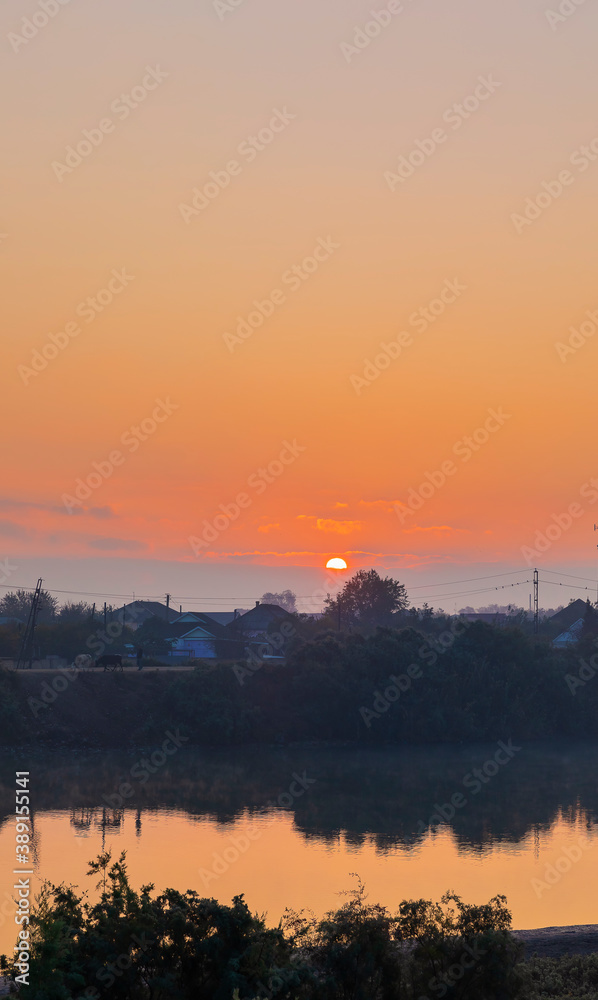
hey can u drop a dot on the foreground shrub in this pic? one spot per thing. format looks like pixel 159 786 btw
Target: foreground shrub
pixel 177 946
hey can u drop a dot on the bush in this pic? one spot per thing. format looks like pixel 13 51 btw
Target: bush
pixel 136 946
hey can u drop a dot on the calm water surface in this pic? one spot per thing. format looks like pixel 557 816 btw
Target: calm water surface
pixel 288 827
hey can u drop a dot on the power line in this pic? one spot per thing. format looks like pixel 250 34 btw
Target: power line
pixel 572 586
pixel 468 593
pixel 586 579
pixel 493 576
pixel 310 597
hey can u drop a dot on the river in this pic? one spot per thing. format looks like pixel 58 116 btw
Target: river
pixel 287 827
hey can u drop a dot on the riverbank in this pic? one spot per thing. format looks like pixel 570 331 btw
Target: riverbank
pixel 556 942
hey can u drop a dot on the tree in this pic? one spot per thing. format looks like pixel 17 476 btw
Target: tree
pixel 17 604
pixel 367 600
pixel 154 637
pixel 75 612
pixel 286 599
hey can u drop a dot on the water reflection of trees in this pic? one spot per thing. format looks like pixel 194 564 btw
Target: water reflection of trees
pixel 384 796
pixel 84 818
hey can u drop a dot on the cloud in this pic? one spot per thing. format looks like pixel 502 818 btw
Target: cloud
pixel 432 527
pixel 339 527
pixel 387 505
pixel 112 544
pixel 265 528
pixel 10 529
pixel 338 504
pixel 330 524
pixel 99 513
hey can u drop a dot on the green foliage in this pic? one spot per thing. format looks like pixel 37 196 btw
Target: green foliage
pixel 464 950
pixel 573 977
pixel 177 946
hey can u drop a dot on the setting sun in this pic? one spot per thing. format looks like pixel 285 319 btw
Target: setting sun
pixel 336 564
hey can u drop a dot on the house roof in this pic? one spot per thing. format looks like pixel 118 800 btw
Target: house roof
pixel 260 618
pixel 137 612
pixel 186 624
pixel 570 615
pixel 222 617
pixel 571 635
pixel 197 632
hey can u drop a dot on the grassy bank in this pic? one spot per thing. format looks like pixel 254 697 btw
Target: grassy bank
pixel 483 683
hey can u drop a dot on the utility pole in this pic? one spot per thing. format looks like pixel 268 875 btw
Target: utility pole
pixel 26 651
pixel 167 605
pixel 536 603
pixel 596 529
pixel 105 615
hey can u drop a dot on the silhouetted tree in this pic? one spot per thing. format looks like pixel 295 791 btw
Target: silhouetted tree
pixel 75 612
pixel 367 600
pixel 17 603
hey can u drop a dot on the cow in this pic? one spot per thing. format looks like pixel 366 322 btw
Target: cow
pixel 110 661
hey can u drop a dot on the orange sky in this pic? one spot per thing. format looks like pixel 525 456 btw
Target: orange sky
pixel 331 126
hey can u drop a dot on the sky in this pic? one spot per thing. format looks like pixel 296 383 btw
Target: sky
pixel 286 281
